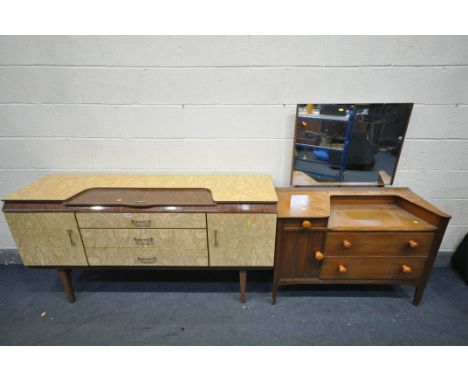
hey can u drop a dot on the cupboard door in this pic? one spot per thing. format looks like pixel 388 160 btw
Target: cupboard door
pixel 297 251
pixel 47 239
pixel 241 239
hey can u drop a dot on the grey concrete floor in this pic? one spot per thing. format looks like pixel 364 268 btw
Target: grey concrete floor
pixel 202 308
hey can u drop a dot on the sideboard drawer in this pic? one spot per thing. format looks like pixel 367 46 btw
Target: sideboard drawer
pixel 378 268
pixel 161 239
pixel 141 220
pixel 146 257
pixel 182 247
pixel 378 244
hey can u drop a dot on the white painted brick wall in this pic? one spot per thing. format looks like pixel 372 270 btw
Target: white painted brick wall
pixel 152 104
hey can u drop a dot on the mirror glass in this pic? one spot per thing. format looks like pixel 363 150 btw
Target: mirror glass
pixel 348 143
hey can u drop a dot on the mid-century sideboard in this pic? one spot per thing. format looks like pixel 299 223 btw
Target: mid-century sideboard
pixel 195 221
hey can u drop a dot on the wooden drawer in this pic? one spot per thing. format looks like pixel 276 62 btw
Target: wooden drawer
pixel 141 220
pixel 377 244
pixel 303 224
pixel 372 268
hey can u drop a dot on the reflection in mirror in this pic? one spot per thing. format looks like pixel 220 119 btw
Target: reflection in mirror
pixel 348 143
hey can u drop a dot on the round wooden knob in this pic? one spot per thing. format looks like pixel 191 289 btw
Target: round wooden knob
pixel 342 268
pixel 413 244
pixel 346 244
pixel 406 269
pixel 306 224
pixel 319 256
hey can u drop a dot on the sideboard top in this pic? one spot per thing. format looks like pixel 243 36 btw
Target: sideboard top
pixel 224 188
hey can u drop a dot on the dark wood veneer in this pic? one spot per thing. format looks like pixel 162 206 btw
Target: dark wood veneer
pixel 38 206
pixel 384 236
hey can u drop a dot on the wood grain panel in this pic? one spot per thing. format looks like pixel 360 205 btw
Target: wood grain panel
pixel 374 214
pixel 141 220
pixel 45 239
pixel 315 202
pixel 164 240
pixel 378 244
pixel 378 268
pixel 147 257
pixel 241 239
pixel 300 246
pixel 260 208
pixel 298 224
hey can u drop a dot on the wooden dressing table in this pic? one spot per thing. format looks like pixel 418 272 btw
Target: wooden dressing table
pixel 356 236
pixel 130 221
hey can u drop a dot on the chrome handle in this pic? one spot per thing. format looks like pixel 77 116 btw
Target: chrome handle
pixel 69 232
pixel 147 260
pixel 141 223
pixel 216 244
pixel 143 240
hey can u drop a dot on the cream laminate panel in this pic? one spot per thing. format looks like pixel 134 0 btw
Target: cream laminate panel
pixel 241 239
pixel 47 239
pixel 141 220
pixel 224 188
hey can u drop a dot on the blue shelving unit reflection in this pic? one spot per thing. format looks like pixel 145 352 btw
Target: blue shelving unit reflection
pixel 348 120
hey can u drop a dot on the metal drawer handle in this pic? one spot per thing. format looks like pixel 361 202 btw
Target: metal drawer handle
pixel 69 232
pixel 216 244
pixel 147 260
pixel 142 223
pixel 143 241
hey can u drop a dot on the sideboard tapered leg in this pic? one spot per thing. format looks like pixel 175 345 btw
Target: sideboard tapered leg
pixel 243 285
pixel 65 277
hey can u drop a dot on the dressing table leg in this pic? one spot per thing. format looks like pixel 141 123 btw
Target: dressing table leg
pixel 273 293
pixel 243 285
pixel 65 277
pixel 419 293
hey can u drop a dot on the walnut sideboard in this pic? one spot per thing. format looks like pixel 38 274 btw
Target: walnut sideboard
pixel 356 236
pixel 81 221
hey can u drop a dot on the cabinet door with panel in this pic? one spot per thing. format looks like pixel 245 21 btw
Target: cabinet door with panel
pixel 300 253
pixel 47 239
pixel 241 239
